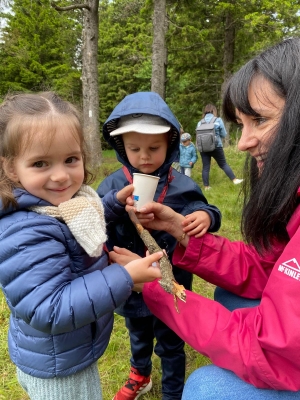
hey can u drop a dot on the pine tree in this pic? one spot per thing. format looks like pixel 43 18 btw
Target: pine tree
pixel 39 50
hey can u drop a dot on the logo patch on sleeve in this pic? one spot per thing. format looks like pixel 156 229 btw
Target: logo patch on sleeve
pixel 290 268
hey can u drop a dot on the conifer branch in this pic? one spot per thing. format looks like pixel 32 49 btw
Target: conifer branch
pixel 68 8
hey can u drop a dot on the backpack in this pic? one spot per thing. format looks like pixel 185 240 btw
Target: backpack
pixel 206 136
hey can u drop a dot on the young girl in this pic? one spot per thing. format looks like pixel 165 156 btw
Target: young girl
pixel 52 267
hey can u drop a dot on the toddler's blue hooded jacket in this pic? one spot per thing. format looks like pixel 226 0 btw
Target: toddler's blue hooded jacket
pixel 183 194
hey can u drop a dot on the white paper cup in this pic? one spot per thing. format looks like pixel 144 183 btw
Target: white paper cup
pixel 144 189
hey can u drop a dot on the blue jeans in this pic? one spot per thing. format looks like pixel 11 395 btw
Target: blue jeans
pixel 214 383
pixel 219 156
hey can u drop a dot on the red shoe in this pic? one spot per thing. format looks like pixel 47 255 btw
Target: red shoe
pixel 135 386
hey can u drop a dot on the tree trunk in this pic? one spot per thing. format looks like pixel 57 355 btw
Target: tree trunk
pixel 90 90
pixel 228 59
pixel 159 49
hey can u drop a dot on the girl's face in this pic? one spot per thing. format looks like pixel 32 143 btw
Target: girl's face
pixel 146 152
pixel 257 131
pixel 52 169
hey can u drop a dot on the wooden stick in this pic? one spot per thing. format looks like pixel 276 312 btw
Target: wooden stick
pixel 168 282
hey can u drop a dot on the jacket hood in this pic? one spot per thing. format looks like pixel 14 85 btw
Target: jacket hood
pixel 143 103
pixel 208 117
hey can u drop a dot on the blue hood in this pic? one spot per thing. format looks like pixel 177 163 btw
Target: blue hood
pixel 143 103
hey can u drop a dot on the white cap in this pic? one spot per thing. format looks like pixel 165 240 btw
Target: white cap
pixel 141 123
pixel 185 136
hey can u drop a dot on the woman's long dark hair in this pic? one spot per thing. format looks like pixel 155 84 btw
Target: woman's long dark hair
pixel 271 197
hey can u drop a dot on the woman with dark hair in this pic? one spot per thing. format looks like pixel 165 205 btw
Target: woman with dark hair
pixel 210 113
pixel 253 336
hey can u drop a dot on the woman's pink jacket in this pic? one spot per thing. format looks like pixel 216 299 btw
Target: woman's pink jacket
pixel 260 344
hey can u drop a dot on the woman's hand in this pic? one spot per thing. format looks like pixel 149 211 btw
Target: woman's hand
pixel 160 217
pixel 157 216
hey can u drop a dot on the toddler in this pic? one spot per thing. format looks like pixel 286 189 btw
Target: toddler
pixel 145 135
pixel 188 154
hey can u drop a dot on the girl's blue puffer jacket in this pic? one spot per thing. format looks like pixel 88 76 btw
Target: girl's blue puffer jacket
pixel 183 195
pixel 61 300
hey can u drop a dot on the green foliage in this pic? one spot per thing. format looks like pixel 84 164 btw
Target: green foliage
pixel 125 40
pixel 40 48
pixel 35 55
pixel 196 40
pixel 195 43
pixel 114 364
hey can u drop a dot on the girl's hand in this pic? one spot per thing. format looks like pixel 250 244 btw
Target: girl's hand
pixel 197 223
pixel 124 194
pixel 144 269
pixel 123 256
pixel 138 287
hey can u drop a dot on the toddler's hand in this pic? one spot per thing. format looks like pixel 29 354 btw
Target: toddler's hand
pixel 124 194
pixel 122 256
pixel 196 224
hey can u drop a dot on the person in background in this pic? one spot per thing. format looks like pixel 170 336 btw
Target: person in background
pixel 175 163
pixel 53 270
pixel 210 111
pixel 252 337
pixel 188 154
pixel 145 135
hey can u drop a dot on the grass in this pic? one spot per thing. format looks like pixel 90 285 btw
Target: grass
pixel 114 364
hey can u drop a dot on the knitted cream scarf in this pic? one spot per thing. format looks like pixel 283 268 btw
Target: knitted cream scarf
pixel 84 216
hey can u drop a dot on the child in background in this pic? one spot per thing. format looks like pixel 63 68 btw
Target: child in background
pixel 145 135
pixel 188 154
pixel 52 267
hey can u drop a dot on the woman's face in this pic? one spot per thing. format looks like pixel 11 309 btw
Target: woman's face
pixel 258 131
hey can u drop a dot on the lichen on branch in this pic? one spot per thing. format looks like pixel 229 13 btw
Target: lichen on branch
pixel 168 282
